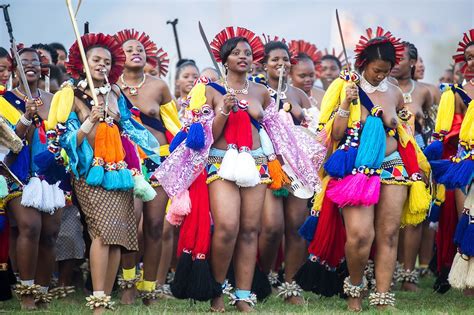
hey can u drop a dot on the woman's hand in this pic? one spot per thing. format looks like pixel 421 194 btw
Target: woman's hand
pixel 97 113
pixel 352 93
pixel 229 101
pixel 31 109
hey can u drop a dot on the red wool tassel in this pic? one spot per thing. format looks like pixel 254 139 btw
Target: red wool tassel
pixel 169 136
pixel 330 236
pixel 189 228
pixel 200 205
pixel 446 249
pixel 4 242
pixel 408 155
pixel 244 130
pixel 231 128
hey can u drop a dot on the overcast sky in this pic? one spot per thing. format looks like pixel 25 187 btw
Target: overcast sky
pixel 434 26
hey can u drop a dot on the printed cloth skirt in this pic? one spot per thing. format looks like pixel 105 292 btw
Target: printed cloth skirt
pixel 109 214
pixel 393 170
pixel 149 166
pixel 70 243
pixel 215 159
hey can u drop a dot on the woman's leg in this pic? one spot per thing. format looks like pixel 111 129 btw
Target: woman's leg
pixel 388 214
pixel 47 247
pixel 112 268
pixel 271 231
pixel 99 262
pixel 359 223
pixel 129 258
pixel 29 231
pixel 225 207
pixel 426 248
pixel 167 252
pixel 411 246
pixel 245 254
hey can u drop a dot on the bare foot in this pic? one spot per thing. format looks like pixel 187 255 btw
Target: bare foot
pixel 217 305
pixel 354 304
pixel 28 302
pixel 98 310
pixel 128 296
pixel 468 292
pixel 244 307
pixel 410 287
pixel 149 302
pixel 295 300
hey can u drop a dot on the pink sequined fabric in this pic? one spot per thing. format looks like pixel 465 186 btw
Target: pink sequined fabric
pixel 304 154
pixel 183 166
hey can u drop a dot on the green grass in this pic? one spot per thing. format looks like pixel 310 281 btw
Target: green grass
pixel 423 302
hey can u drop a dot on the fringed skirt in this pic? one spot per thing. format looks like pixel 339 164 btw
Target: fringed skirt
pixel 109 214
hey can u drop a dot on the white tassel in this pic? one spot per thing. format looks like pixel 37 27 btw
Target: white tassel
pixel 59 199
pixel 458 272
pixel 48 198
pixel 266 142
pixel 32 194
pixel 228 167
pixel 246 171
pixel 469 278
pixel 434 225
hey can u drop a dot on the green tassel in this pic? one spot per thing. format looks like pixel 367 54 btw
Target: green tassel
pixel 280 192
pixel 3 187
pixel 142 189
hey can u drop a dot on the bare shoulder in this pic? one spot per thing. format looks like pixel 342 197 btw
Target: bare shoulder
pixel 318 92
pixel 46 96
pixel 156 82
pixel 260 88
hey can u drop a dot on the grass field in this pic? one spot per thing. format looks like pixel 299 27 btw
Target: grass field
pixel 423 302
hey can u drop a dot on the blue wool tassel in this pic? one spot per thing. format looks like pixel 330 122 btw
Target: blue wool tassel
pixel 467 242
pixel 351 155
pixel 95 176
pixel 111 180
pixel 434 151
pixel 3 220
pixel 44 161
pixel 195 139
pixel 371 150
pixel 439 168
pixel 126 179
pixel 458 174
pixel 308 228
pixel 21 166
pixel 180 137
pixel 434 213
pixel 335 165
pixel 461 228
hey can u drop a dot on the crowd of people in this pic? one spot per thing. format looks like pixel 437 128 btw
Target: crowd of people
pixel 286 170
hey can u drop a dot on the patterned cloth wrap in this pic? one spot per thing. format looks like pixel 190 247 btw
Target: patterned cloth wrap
pixel 393 170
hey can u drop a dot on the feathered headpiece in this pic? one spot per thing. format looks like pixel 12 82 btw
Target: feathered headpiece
pixel 381 36
pixel 163 61
pixel 467 39
pixel 150 47
pixel 228 33
pixel 269 38
pixel 339 56
pixel 75 67
pixel 300 46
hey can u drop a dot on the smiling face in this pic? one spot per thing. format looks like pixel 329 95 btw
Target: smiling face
pixel 420 69
pixel 31 65
pixel 135 54
pixel 277 58
pixel 99 58
pixel 240 58
pixel 329 70
pixel 5 70
pixel 303 75
pixel 376 71
pixel 186 79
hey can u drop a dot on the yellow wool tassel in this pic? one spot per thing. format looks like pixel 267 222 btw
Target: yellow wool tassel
pixel 440 193
pixel 422 160
pixel 148 286
pixel 318 198
pixel 198 97
pixel 331 100
pixel 169 116
pixel 446 107
pixel 279 177
pixel 419 197
pixel 409 218
pixel 61 106
pixel 9 112
pixel 466 133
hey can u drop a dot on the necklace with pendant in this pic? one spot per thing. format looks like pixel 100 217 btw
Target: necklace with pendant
pixel 407 99
pixel 38 101
pixel 273 92
pixel 103 90
pixel 133 89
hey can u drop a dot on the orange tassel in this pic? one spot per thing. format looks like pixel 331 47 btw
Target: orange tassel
pixel 277 174
pixel 110 145
pixel 100 148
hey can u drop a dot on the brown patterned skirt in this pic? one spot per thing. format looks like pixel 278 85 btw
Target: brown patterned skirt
pixel 109 214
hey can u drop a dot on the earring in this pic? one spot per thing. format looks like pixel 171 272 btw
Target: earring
pixel 251 70
pixel 226 66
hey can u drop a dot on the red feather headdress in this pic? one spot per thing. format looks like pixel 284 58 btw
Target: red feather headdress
pixel 339 56
pixel 300 46
pixel 228 33
pixel 163 61
pixel 380 36
pixel 468 38
pixel 75 67
pixel 269 38
pixel 150 47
